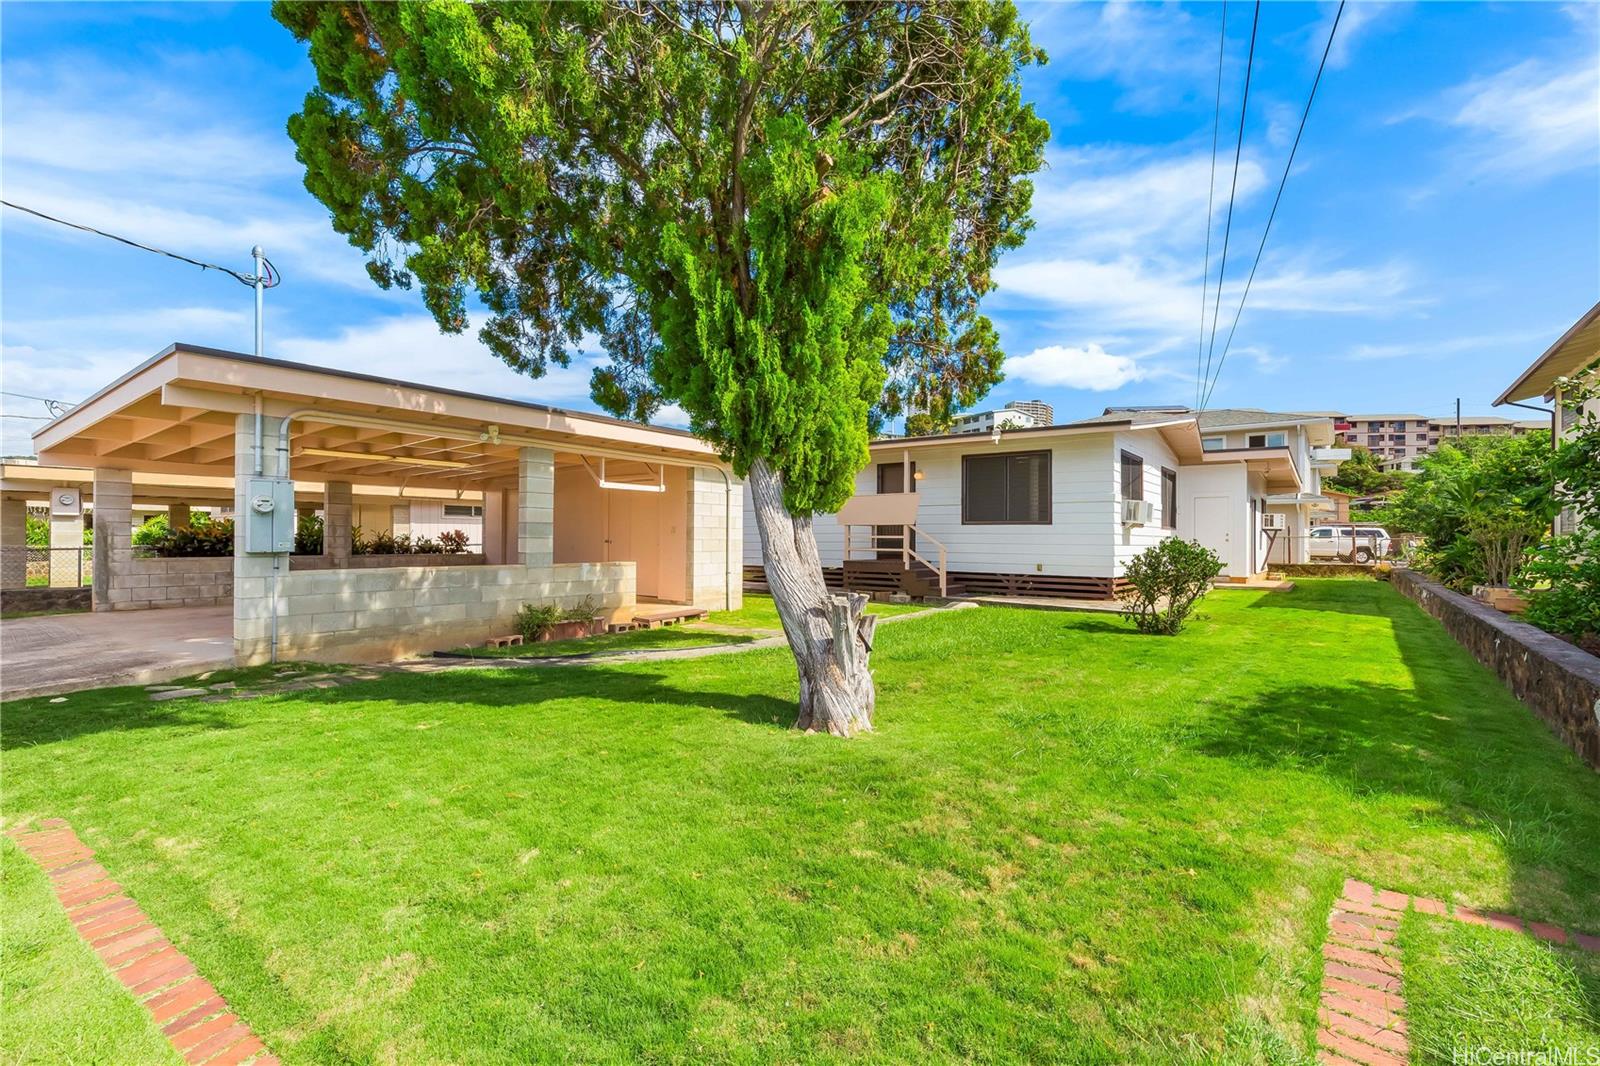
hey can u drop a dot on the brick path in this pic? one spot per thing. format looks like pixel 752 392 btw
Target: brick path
pixel 1361 1017
pixel 189 1011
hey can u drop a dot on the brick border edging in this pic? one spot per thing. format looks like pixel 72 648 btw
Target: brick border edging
pixel 1361 1011
pixel 190 1012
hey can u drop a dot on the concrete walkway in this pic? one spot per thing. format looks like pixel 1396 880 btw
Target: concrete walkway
pixel 49 654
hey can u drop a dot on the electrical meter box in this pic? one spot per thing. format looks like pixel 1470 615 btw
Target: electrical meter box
pixel 269 516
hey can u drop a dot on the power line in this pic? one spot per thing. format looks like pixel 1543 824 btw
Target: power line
pixel 271 278
pixel 1211 192
pixel 41 399
pixel 1282 181
pixel 1238 150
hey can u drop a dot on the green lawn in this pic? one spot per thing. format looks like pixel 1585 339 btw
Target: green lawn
pixel 61 1005
pixel 1469 986
pixel 1066 841
pixel 759 612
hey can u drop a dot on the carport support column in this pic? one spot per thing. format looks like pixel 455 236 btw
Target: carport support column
pixel 13 543
pixel 715 541
pixel 66 533
pixel 337 508
pixel 113 538
pixel 536 501
pixel 255 582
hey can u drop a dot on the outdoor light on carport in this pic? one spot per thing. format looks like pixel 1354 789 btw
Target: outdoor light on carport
pixel 438 464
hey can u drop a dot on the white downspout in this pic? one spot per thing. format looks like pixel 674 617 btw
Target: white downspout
pixel 727 539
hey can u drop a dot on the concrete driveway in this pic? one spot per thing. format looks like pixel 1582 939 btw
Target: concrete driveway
pixel 67 652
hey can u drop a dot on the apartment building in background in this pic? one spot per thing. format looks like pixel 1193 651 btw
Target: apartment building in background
pixel 1041 413
pixel 1399 440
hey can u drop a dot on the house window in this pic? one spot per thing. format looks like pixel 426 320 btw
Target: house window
pixel 461 510
pixel 1011 489
pixel 1169 498
pixel 1132 477
pixel 1213 444
pixel 1268 440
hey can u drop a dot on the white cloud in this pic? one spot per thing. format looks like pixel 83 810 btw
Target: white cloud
pixel 1132 291
pixel 671 415
pixel 1537 118
pixel 1116 199
pixel 1089 367
pixel 1426 348
pixel 1356 21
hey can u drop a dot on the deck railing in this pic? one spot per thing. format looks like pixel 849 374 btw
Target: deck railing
pixel 901 542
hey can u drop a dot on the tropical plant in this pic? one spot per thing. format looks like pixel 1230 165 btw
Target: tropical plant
pixel 780 216
pixel 206 538
pixel 150 531
pixel 453 542
pixel 1164 582
pixel 308 530
pixel 535 621
pixel 38 531
pixel 1363 475
pixel 1479 503
pixel 583 611
pixel 1564 575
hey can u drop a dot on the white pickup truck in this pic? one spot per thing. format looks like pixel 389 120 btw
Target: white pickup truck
pixel 1361 544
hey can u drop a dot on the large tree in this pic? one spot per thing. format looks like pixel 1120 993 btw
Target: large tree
pixel 780 216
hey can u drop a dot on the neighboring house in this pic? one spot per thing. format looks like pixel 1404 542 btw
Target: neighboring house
pixel 986 421
pixel 1548 376
pixel 1060 510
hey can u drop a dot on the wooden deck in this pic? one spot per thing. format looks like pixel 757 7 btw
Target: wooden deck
pixel 656 615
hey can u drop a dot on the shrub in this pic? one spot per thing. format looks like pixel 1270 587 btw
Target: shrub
pixel 536 620
pixel 209 539
pixel 1164 582
pixel 308 535
pixel 38 531
pixel 453 542
pixel 151 532
pixel 1565 576
pixel 584 611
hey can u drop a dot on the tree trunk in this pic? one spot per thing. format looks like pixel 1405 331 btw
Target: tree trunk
pixel 830 635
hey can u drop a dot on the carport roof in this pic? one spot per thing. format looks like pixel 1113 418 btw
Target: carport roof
pixel 176 413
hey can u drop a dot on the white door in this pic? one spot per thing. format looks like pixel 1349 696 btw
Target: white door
pixel 1213 527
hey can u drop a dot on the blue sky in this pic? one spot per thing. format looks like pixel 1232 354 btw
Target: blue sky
pixel 1441 225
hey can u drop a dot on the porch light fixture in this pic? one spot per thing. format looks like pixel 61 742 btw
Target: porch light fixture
pixel 437 464
pixel 918 475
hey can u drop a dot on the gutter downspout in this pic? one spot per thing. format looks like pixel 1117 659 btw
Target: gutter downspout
pixel 727 539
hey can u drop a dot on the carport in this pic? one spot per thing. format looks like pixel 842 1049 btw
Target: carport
pixel 578 509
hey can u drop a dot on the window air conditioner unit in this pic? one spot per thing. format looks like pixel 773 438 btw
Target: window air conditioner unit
pixel 1138 512
pixel 1274 521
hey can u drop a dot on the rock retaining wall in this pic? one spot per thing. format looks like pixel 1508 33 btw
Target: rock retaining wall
pixel 1557 681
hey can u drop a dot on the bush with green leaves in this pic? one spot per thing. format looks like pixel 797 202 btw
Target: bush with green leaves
pixel 1563 576
pixel 535 621
pixel 151 531
pixel 308 530
pixel 205 538
pixel 585 610
pixel 1481 504
pixel 1164 583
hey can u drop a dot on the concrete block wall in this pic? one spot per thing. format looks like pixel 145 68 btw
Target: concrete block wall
pixel 139 584
pixel 369 615
pixel 13 544
pixel 715 535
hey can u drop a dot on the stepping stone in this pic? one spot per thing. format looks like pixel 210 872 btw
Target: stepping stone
pixel 223 686
pixel 162 688
pixel 177 694
pixel 59 699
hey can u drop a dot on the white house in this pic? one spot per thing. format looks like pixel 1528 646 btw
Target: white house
pixel 1059 510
